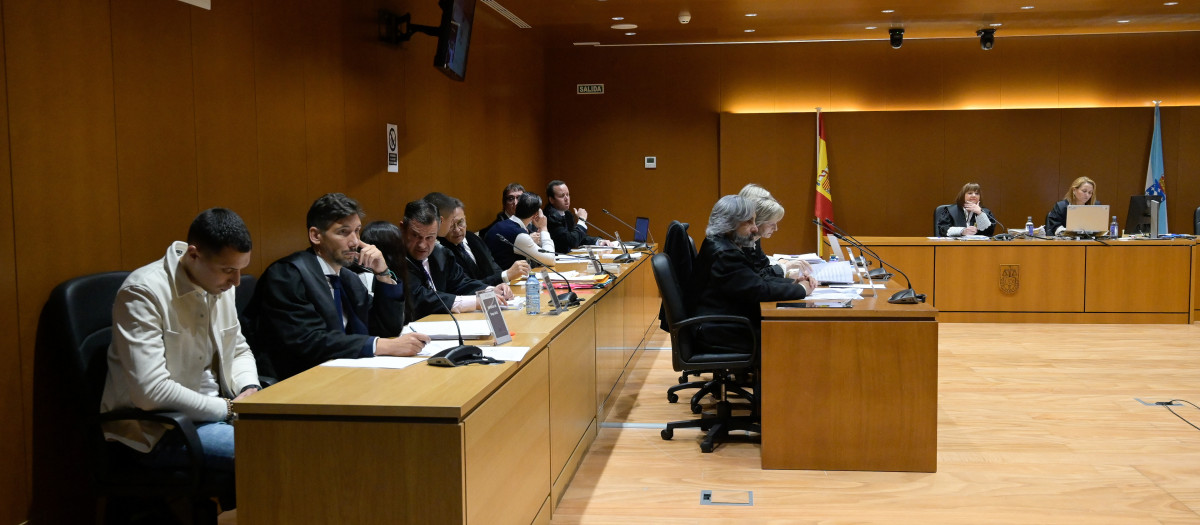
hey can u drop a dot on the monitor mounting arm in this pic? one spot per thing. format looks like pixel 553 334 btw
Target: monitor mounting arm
pixel 395 29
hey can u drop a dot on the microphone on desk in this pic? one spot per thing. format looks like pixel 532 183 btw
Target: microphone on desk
pixel 637 245
pixel 457 355
pixel 906 296
pixel 624 258
pixel 569 298
pixel 880 273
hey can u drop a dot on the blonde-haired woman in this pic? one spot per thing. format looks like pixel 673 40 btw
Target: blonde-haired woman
pixel 1082 191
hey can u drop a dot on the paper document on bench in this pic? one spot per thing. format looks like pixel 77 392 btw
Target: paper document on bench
pixel 834 294
pixel 384 361
pixel 839 272
pixel 473 329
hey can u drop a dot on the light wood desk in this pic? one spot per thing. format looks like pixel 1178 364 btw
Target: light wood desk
pixel 1057 281
pixel 480 444
pixel 850 389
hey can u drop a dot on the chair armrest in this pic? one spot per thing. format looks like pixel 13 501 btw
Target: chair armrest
pixel 266 381
pixel 734 319
pixel 181 424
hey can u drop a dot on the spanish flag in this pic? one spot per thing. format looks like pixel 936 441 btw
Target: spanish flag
pixel 824 203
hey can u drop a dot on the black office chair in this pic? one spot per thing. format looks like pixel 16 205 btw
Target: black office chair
pixel 936 233
pixel 74 333
pixel 692 352
pixel 244 292
pixel 682 250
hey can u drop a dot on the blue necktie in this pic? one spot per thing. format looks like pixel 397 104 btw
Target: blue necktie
pixel 344 309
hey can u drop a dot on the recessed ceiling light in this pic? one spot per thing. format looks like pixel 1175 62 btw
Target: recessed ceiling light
pixel 624 27
pixel 872 27
pixel 997 24
pixel 1170 3
pixel 1026 7
pixel 888 11
pixel 1122 21
pixel 618 18
pixel 749 30
pixel 751 14
pixel 631 33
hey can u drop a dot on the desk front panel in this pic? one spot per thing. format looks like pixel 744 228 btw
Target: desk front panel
pixel 378 471
pixel 1131 278
pixel 915 261
pixel 507 440
pixel 572 387
pixel 1011 278
pixel 849 395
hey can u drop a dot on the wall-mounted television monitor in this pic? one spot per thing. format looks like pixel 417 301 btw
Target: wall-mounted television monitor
pixel 1138 219
pixel 454 37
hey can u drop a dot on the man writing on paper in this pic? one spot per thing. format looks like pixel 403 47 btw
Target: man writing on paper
pixel 177 345
pixel 437 281
pixel 309 307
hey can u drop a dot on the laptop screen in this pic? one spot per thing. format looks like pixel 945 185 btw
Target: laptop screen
pixel 1087 219
pixel 640 228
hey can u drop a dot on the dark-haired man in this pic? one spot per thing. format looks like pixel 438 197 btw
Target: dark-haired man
pixel 177 345
pixel 470 252
pixel 309 307
pixel 437 281
pixel 567 226
pixel 508 205
pixel 515 232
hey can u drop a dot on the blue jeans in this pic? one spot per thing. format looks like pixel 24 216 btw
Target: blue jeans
pixel 216 438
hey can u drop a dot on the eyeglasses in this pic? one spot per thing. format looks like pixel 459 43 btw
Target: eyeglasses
pixel 459 224
pixel 509 198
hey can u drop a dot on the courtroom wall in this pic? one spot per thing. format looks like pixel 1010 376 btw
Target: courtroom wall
pixel 892 114
pixel 126 117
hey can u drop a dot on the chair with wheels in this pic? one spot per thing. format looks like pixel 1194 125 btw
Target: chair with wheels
pixel 74 333
pixel 724 359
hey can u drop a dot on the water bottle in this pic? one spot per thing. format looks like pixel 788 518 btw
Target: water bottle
pixel 833 258
pixel 533 295
pixel 1029 225
pixel 1112 227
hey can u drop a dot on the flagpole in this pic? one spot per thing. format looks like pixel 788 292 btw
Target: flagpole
pixel 817 161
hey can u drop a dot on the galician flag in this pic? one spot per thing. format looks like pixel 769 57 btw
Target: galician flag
pixel 1156 182
pixel 824 199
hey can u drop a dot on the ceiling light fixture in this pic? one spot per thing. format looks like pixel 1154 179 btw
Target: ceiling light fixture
pixel 630 33
pixel 997 24
pixel 749 30
pixel 871 27
pixel 618 18
pixel 896 37
pixel 751 14
pixel 1122 21
pixel 1026 7
pixel 885 11
pixel 624 27
pixel 1170 3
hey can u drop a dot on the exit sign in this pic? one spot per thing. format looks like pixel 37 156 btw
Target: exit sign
pixel 589 89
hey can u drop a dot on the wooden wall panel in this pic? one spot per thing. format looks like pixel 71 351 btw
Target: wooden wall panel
pixel 64 189
pixel 599 141
pixel 324 100
pixel 226 128
pixel 14 478
pixel 281 51
pixel 155 125
pixel 1185 197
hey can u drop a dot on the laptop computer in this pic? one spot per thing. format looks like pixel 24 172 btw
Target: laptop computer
pixel 1087 219
pixel 641 227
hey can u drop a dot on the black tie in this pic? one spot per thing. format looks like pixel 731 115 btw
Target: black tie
pixel 468 262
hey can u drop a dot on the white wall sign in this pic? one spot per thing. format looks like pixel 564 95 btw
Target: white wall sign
pixel 393 149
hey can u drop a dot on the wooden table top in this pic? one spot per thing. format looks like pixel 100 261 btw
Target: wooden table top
pixel 418 391
pixel 953 241
pixel 875 308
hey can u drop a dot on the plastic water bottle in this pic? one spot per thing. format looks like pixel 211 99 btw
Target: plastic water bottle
pixel 533 295
pixel 1029 225
pixel 1112 227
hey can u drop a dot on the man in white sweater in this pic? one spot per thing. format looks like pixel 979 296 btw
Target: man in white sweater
pixel 177 344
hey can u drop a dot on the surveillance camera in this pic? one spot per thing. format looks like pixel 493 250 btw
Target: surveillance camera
pixel 685 17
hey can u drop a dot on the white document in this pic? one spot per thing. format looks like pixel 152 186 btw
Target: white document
pixel 473 329
pixel 839 272
pixel 384 361
pixel 505 353
pixel 858 286
pixel 833 294
pixel 434 347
